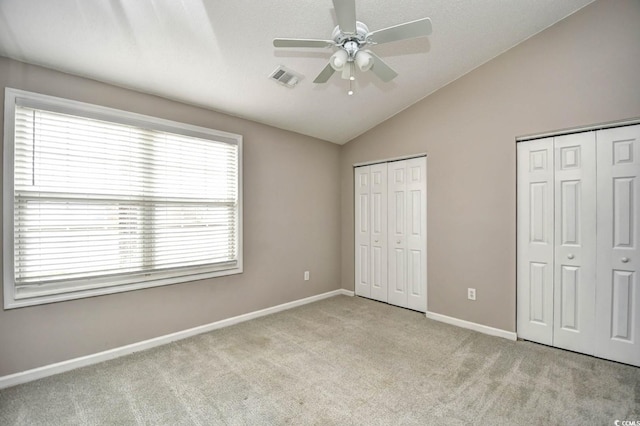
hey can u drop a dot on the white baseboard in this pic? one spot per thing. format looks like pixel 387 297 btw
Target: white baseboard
pixel 473 326
pixel 61 367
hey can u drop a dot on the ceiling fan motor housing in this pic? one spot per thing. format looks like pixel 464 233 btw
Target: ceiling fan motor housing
pixel 349 41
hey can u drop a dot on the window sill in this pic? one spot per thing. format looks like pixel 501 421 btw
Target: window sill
pixel 31 297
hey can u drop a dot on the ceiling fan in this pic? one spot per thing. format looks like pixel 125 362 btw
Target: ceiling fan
pixel 351 37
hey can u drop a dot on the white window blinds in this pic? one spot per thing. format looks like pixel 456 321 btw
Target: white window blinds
pixel 99 203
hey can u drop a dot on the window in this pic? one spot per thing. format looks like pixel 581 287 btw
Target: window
pixel 97 200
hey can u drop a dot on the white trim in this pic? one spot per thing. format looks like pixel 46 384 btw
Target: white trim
pixel 345 292
pixel 15 299
pixel 509 335
pixel 388 160
pixel 69 106
pixel 601 126
pixel 71 364
pixel 7 198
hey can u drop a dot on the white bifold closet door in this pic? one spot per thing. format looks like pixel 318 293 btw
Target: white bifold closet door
pixel 535 261
pixel 575 242
pixel 618 290
pixel 390 240
pixel 578 242
pixel 371 231
pixel 407 205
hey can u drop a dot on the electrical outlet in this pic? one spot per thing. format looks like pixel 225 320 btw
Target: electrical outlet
pixel 471 293
pixel 306 275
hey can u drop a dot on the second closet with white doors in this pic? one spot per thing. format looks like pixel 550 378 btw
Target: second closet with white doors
pixel 390 232
pixel 578 236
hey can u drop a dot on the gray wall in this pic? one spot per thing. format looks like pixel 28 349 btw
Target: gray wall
pixel 291 224
pixel 583 70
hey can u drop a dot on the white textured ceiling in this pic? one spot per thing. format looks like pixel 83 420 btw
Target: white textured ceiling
pixel 219 53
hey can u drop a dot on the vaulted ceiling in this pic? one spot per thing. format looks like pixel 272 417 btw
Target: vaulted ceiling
pixel 218 54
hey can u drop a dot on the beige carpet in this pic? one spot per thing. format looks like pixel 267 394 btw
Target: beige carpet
pixel 340 361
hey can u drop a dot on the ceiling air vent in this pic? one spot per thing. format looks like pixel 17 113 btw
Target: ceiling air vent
pixel 285 76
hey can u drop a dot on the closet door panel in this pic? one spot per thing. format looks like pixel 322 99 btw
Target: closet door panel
pixel 618 290
pixel 416 238
pixel 362 179
pixel 397 216
pixel 575 242
pixel 535 240
pixel 378 236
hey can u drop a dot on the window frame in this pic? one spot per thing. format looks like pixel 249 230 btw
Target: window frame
pixel 100 286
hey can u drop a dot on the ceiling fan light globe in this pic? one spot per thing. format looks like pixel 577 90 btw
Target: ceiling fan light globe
pixel 339 60
pixel 364 61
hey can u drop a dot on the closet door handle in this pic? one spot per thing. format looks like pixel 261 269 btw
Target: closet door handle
pixel 398 241
pixel 570 256
pixel 624 259
pixel 376 240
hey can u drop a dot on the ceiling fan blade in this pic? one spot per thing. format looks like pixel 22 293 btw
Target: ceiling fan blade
pixel 381 69
pixel 413 29
pixel 325 74
pixel 302 42
pixel 346 15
